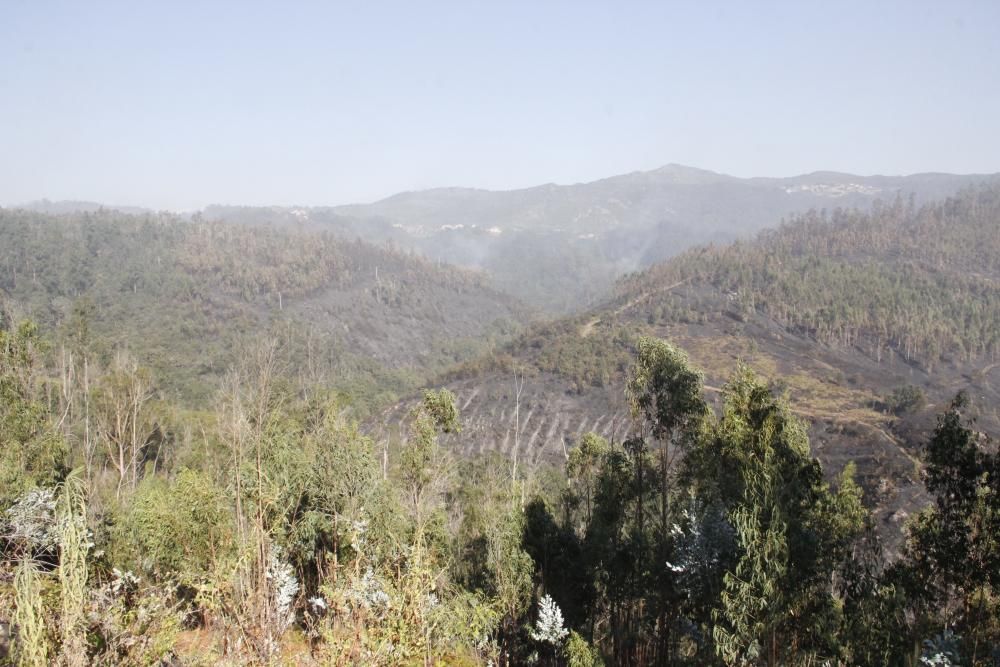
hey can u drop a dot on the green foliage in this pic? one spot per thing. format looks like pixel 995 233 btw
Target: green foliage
pixel 31 451
pixel 440 407
pixel 919 283
pixel 175 529
pixel 954 545
pixel 728 553
pixel 32 643
pixel 424 465
pixel 489 557
pixel 874 628
pixel 752 606
pixel 664 390
pixel 579 653
pixel 777 606
pixel 582 468
pixel 74 543
pixel 959 537
pixel 905 399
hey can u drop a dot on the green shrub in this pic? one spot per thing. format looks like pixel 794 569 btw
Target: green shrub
pixel 579 653
pixel 905 399
pixel 175 529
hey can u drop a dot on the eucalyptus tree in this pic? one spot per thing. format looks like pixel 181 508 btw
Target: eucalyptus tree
pixel 792 531
pixel 954 545
pixel 665 395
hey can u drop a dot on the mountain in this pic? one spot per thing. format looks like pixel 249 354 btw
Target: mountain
pixel 871 321
pixel 560 247
pixel 182 296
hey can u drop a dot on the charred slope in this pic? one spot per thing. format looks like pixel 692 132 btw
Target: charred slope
pixel 838 311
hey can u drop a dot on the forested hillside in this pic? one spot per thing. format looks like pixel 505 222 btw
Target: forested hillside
pixel 870 321
pixel 714 468
pixel 923 283
pixel 181 295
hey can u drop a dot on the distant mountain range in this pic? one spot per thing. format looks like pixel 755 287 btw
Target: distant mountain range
pixel 69 206
pixel 561 247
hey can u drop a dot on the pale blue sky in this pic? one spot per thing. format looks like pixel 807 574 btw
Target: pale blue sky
pixel 181 104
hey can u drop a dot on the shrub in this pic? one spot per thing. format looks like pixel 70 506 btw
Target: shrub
pixel 176 529
pixel 905 399
pixel 579 653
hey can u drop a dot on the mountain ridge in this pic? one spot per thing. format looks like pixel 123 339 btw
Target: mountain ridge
pixel 561 247
pixel 692 172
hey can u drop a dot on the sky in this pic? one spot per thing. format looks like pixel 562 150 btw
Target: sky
pixel 182 104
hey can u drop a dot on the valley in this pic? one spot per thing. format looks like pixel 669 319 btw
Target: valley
pixel 560 248
pixel 372 387
pixel 510 334
pixel 705 302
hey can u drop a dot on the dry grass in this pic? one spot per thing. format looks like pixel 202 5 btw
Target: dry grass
pixel 813 390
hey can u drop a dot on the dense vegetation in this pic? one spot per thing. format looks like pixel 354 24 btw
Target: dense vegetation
pixel 269 529
pixel 181 295
pixel 183 478
pixel 920 282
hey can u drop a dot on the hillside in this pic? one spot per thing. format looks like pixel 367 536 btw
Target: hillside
pixel 561 247
pixel 840 309
pixel 181 295
pixel 265 514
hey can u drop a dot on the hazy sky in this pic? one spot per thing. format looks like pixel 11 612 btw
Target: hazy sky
pixel 181 104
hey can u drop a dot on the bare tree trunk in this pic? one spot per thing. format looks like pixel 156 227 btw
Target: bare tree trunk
pixel 88 441
pixel 247 409
pixel 122 421
pixel 518 388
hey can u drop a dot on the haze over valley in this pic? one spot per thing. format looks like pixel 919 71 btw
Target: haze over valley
pixel 559 248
